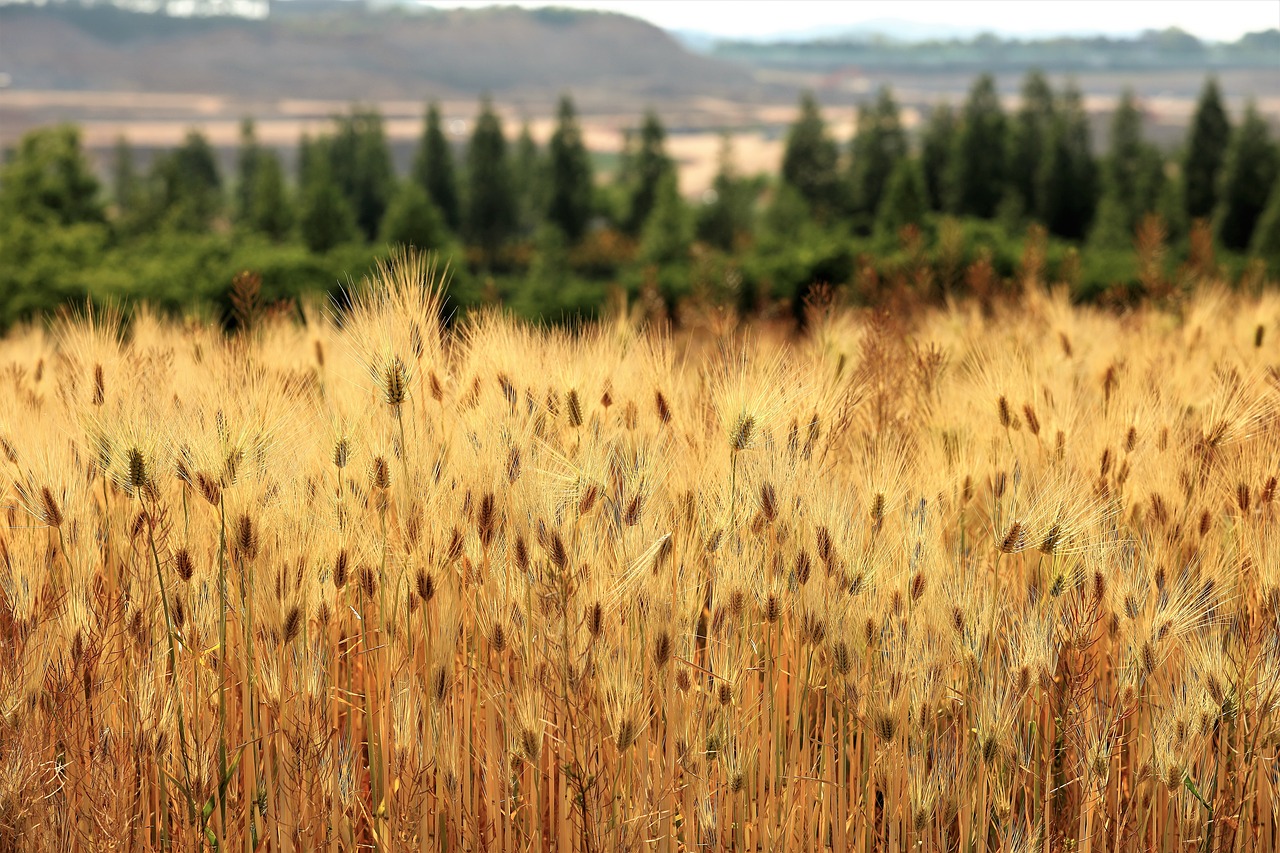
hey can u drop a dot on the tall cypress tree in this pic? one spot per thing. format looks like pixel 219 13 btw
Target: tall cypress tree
pixel 1032 127
pixel 188 184
pixel 645 170
pixel 1266 235
pixel 325 217
pixel 433 168
pixel 905 200
pixel 527 183
pixel 977 172
pixel 246 170
pixel 809 163
pixel 726 220
pixel 879 143
pixel 1067 179
pixel 413 220
pixel 1248 174
pixel 935 153
pixel 569 175
pixel 361 166
pixel 125 185
pixel 1126 167
pixel 269 210
pixel 491 212
pixel 1206 148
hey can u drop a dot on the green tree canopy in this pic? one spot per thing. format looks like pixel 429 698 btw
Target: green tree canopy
pixel 668 235
pixel 809 162
pixel 977 171
pixel 1206 149
pixel 726 219
pixel 325 217
pixel 413 220
pixel 491 211
pixel 1067 179
pixel 1248 175
pixel 187 185
pixel 569 175
pixel 878 145
pixel 246 170
pixel 433 168
pixel 1033 126
pixel 645 170
pixel 48 179
pixel 906 200
pixel 361 166
pixel 270 211
pixel 528 182
pixel 935 153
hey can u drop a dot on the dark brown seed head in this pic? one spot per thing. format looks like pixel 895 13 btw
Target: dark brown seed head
pixel 292 624
pixel 588 499
pixel 661 649
pixel 522 553
pixel 635 506
pixel 99 386
pixel 557 553
pixel 341 452
pixel 380 474
pixel 340 567
pixel 1002 409
pixel 662 406
pixel 368 582
pixel 486 520
pixel 137 469
pixel 437 389
pixel 49 508
pixel 574 406
pixel 804 567
pixel 1258 335
pixel 425 585
pixel 1242 497
pixel 768 502
pixel 183 564
pixel 1014 538
pixel 246 538
pixel 917 586
pixel 1033 420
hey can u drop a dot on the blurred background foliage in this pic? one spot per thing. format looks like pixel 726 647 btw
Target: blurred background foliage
pixel 978 198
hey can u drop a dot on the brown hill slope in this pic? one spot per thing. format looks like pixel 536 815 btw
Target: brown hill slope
pixel 358 54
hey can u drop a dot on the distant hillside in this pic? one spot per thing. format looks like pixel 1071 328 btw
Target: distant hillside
pixel 1162 50
pixel 321 49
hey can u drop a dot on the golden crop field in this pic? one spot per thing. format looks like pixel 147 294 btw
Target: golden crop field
pixel 959 580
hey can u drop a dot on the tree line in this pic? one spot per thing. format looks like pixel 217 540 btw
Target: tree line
pixel 534 223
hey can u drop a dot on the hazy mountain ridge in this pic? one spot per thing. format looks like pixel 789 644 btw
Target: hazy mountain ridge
pixel 1152 50
pixel 321 49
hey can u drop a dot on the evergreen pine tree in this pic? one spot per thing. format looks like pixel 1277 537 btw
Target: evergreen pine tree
pixel 491 213
pixel 189 184
pixel 725 221
pixel 246 171
pixel 905 200
pixel 668 234
pixel 569 176
pixel 645 171
pixel 1266 235
pixel 433 168
pixel 47 180
pixel 935 153
pixel 270 212
pixel 126 187
pixel 413 220
pixel 527 183
pixel 1206 148
pixel 976 174
pixel 1126 160
pixel 1248 175
pixel 1032 128
pixel 809 162
pixel 1067 179
pixel 325 217
pixel 878 145
pixel 361 166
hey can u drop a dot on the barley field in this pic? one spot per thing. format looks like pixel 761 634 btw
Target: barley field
pixel 976 578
